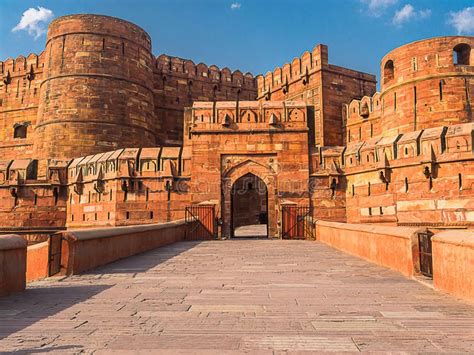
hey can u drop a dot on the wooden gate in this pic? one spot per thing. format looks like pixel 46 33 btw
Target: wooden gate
pixel 426 256
pixel 201 222
pixel 54 254
pixel 297 222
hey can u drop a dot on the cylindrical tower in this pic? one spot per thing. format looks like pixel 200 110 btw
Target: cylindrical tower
pixel 97 90
pixel 427 83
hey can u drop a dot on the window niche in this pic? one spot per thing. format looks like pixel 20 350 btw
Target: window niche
pixel 462 54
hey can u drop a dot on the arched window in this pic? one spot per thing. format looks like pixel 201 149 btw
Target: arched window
pixel 19 130
pixel 388 71
pixel 461 54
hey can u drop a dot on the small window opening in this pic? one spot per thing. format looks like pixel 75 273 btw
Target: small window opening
pixel 394 101
pixel 461 54
pixel 430 183
pixel 127 215
pixel 368 189
pixel 406 184
pixel 20 131
pixel 72 218
pixel 95 216
pixel 151 214
pixel 460 181
pixel 381 211
pixel 108 215
pixel 370 211
pixel 83 217
pixel 441 83
pixel 353 190
pixel 388 71
pixel 406 151
pixel 36 199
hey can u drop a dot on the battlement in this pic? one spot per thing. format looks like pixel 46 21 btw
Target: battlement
pixel 297 69
pixel 22 65
pixel 166 64
pixel 381 152
pixel 300 69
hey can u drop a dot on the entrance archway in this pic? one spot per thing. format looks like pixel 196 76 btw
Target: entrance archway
pixel 249 207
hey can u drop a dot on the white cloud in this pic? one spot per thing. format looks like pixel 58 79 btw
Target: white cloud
pixel 235 6
pixel 34 21
pixel 377 7
pixel 462 21
pixel 408 13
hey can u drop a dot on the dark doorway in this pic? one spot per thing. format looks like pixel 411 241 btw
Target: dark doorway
pixel 249 217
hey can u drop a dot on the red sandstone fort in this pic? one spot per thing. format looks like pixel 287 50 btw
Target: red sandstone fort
pixel 97 131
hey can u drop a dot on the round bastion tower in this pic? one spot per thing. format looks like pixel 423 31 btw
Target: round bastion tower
pixel 428 83
pixel 97 92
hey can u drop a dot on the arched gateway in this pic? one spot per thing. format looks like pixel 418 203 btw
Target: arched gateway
pixel 249 207
pixel 248 195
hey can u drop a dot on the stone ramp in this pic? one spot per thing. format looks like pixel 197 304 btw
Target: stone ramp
pixel 236 295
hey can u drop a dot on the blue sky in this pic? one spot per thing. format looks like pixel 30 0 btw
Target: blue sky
pixel 253 35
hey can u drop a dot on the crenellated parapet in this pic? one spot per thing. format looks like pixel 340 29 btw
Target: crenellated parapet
pixel 282 80
pixel 439 144
pixel 127 186
pixel 362 118
pixel 20 80
pixel 169 66
pixel 180 82
pixel 33 196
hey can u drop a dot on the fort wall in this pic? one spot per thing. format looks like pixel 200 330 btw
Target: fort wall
pixel 19 99
pixel 179 82
pixel 323 86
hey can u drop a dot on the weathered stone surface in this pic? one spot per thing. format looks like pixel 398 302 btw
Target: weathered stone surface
pixel 229 296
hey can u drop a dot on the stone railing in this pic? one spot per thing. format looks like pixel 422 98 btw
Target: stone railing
pixel 37 261
pixel 87 249
pixel 398 249
pixel 453 262
pixel 12 264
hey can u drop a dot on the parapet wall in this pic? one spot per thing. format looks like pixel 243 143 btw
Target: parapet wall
pixel 325 87
pixel 418 178
pixel 12 264
pixel 127 187
pixel 20 81
pixel 87 249
pixel 179 82
pixel 398 249
pixel 388 246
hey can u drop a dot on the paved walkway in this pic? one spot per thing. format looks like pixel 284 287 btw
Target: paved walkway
pixel 225 296
pixel 251 231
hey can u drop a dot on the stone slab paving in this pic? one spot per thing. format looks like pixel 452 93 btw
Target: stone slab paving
pixel 238 295
pixel 251 231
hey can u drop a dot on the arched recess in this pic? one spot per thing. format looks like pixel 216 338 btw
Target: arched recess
pixel 462 54
pixel 388 71
pixel 263 172
pixel 249 207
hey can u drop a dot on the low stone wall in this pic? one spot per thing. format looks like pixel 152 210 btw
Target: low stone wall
pixel 453 262
pixel 393 247
pixel 12 264
pixel 87 249
pixel 37 261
